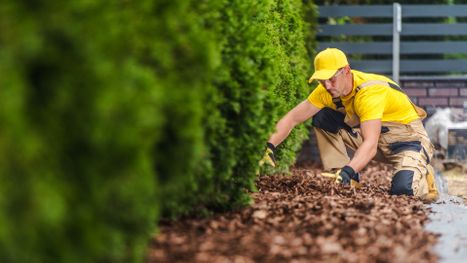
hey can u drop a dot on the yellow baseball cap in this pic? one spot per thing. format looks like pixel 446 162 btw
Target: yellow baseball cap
pixel 327 62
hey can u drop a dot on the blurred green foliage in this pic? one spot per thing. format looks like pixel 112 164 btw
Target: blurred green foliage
pixel 112 111
pixel 80 117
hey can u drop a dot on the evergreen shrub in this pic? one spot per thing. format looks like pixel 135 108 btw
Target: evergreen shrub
pixel 262 59
pixel 113 111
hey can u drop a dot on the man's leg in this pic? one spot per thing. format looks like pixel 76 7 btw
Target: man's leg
pixel 409 149
pixel 415 179
pixel 332 136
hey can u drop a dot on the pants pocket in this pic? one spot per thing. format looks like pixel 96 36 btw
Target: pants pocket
pixel 398 147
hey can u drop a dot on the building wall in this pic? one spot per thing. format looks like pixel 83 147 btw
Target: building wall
pixel 431 93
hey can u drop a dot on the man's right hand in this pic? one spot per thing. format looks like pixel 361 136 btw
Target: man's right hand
pixel 269 156
pixel 345 176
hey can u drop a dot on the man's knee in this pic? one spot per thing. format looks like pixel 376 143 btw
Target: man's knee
pixel 329 120
pixel 402 183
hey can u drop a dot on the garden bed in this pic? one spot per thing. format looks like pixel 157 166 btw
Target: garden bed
pixel 306 218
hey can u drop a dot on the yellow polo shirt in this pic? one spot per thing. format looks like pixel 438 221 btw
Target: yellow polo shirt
pixel 371 102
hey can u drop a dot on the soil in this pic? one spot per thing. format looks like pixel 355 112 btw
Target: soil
pixel 306 218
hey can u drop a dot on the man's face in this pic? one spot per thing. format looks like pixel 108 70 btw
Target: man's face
pixel 335 85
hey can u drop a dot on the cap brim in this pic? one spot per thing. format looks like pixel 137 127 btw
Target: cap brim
pixel 322 74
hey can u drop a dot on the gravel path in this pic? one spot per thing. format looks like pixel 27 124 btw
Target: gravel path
pixel 305 218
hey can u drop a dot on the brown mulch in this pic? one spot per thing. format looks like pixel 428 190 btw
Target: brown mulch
pixel 305 218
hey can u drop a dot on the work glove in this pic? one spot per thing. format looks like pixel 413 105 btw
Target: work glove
pixel 269 155
pixel 345 176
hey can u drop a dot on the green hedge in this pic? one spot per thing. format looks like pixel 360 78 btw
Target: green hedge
pixel 261 73
pixel 112 111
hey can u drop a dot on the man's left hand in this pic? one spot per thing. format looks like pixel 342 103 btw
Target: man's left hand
pixel 269 155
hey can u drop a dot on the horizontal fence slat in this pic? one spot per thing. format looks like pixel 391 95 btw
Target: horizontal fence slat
pixel 355 30
pixel 373 66
pixel 359 48
pixel 414 29
pixel 434 10
pixel 434 47
pixel 406 48
pixel 356 11
pixel 411 66
pixel 386 11
pixel 433 29
pixel 446 65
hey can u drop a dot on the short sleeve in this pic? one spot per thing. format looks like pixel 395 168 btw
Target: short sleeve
pixel 319 97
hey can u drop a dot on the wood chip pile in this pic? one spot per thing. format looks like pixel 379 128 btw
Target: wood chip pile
pixel 306 218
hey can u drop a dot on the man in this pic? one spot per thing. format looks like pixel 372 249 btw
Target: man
pixel 370 114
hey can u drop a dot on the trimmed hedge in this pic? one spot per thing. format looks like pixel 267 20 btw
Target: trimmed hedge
pixel 262 73
pixel 113 111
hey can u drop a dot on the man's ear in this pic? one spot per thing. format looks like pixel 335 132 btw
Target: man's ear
pixel 347 68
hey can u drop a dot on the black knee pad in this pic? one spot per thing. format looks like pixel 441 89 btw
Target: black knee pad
pixel 329 120
pixel 402 183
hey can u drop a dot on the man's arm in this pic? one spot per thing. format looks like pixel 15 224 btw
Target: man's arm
pixel 370 132
pixel 297 115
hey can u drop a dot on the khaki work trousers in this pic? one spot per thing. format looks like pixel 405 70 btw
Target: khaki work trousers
pixel 405 146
